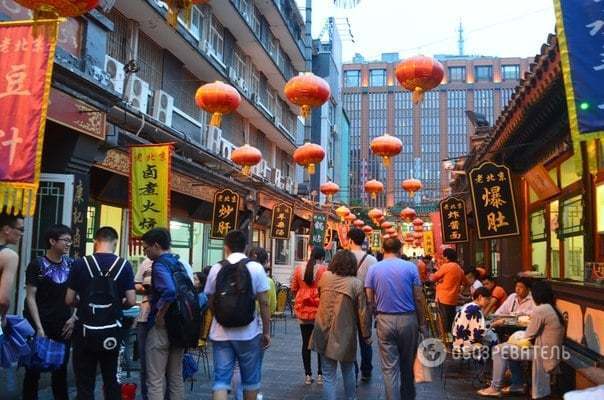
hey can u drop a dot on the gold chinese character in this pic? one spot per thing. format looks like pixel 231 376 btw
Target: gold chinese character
pixel 15 82
pixel 224 227
pixel 501 176
pixel 459 206
pixel 490 178
pixel 281 224
pixel 225 211
pixel 455 235
pixel 446 207
pixel 220 198
pixel 281 216
pixel 454 225
pixel 453 215
pixel 479 178
pixel 492 197
pixel 496 221
pixel 12 142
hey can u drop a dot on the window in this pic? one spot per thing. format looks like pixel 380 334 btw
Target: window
pixel 457 74
pixel 538 241
pixel 352 78
pixel 281 251
pixel 554 208
pixel 568 172
pixel 510 72
pixel 483 73
pixel 571 233
pixel 377 77
pixel 217 39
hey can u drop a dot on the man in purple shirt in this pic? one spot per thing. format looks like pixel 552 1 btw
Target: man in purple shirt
pixel 394 290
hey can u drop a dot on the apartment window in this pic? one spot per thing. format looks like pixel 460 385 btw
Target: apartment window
pixel 457 74
pixel 483 73
pixel 377 77
pixel 217 38
pixel 510 72
pixel 539 241
pixel 239 64
pixel 352 78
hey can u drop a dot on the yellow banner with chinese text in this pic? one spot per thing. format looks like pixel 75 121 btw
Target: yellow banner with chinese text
pixel 149 188
pixel 428 243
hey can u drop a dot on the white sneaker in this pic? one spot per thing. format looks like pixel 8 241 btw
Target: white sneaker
pixel 308 380
pixel 320 379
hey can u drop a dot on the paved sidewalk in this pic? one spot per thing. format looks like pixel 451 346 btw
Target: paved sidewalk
pixel 283 377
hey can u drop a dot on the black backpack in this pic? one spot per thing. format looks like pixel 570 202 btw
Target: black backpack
pixel 183 319
pixel 100 308
pixel 234 298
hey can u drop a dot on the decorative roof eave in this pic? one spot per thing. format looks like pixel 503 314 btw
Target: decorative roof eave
pixel 544 72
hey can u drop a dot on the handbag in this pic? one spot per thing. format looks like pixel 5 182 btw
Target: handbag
pixel 46 355
pixel 15 341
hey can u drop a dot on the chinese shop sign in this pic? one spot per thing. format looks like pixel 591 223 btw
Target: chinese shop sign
pixel 375 241
pixel 319 226
pixel 150 169
pixel 454 224
pixel 428 243
pixel 282 220
pixel 493 199
pixel 26 62
pixel 580 28
pixel 81 197
pixel 225 214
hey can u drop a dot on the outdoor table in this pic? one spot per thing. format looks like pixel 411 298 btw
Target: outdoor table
pixel 510 325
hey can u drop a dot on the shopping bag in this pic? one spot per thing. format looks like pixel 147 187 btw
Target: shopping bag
pixel 46 355
pixel 15 341
pixel 421 373
pixel 189 366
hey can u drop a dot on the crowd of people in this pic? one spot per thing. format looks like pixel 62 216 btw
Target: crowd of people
pixel 79 303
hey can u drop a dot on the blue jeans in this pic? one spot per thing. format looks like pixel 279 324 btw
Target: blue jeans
pixel 141 338
pixel 330 376
pixel 366 356
pixel 248 353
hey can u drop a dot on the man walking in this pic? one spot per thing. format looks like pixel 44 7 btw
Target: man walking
pixel 394 289
pixel 11 231
pixel 237 334
pixel 449 279
pixel 364 262
pixel 168 333
pixel 104 284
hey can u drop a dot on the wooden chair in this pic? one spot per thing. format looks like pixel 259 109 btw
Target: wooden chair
pixel 280 312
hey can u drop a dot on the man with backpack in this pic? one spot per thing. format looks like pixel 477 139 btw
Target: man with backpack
pixel 237 334
pixel 174 321
pixel 100 286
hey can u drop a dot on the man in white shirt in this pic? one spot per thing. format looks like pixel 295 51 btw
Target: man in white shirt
pixel 473 281
pixel 244 344
pixel 520 302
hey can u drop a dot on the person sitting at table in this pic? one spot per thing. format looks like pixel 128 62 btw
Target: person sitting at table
pixel 469 327
pixel 520 302
pixel 472 280
pixel 498 294
pixel 546 330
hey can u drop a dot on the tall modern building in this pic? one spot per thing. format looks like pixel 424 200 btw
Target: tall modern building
pixel 435 130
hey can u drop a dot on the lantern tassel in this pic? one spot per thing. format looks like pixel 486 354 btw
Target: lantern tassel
pixel 311 169
pixel 387 162
pixel 305 111
pixel 418 95
pixel 246 170
pixel 411 195
pixel 173 11
pixel 373 196
pixel 216 119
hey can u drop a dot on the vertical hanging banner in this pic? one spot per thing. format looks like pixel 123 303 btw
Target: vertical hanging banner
pixel 454 223
pixel 282 221
pixel 26 61
pixel 493 200
pixel 149 188
pixel 319 227
pixel 225 213
pixel 428 243
pixel 580 29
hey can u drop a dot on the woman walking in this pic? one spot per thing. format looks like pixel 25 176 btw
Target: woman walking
pixel 342 313
pixel 304 287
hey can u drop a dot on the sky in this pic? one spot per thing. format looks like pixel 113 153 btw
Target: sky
pixel 503 28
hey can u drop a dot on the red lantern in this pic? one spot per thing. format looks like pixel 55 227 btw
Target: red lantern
pixel 246 156
pixel 417 243
pixel 217 98
pixel 342 212
pixel 408 214
pixel 386 225
pixel 367 229
pixel 308 155
pixel 418 222
pixel 350 217
pixel 58 8
pixel 418 235
pixel 329 189
pixel 411 186
pixel 419 74
pixel 358 223
pixel 418 228
pixel 386 146
pixel 307 91
pixel 409 238
pixel 374 187
pixel 391 231
pixel 375 214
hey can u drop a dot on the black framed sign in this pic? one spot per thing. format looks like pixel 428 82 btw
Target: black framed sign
pixel 282 221
pixel 225 213
pixel 319 227
pixel 454 223
pixel 493 200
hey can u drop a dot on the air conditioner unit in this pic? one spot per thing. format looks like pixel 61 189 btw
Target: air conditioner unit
pixel 137 93
pixel 117 76
pixel 163 107
pixel 212 138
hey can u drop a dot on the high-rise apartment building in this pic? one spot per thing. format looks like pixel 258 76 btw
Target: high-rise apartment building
pixel 432 131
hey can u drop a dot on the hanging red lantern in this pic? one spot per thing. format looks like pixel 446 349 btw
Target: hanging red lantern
pixel 374 187
pixel 375 214
pixel 418 235
pixel 367 229
pixel 342 212
pixel 307 91
pixel 217 98
pixel 386 225
pixel 411 186
pixel 418 221
pixel 246 156
pixel 308 155
pixel 329 189
pixel 417 243
pixel 419 74
pixel 350 217
pixel 358 223
pixel 391 231
pixel 408 214
pixel 386 146
pixel 58 8
pixel 418 228
pixel 409 238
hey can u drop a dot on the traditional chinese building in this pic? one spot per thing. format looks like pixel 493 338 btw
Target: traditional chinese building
pixel 559 205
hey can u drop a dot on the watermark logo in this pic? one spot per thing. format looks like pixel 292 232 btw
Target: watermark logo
pixel 431 352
